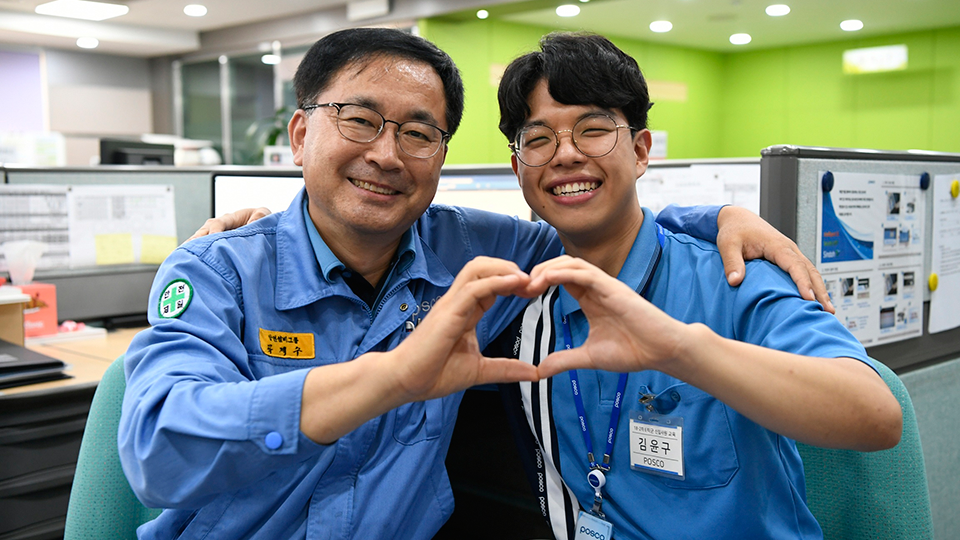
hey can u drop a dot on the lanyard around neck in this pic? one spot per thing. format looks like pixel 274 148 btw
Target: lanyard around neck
pixel 604 465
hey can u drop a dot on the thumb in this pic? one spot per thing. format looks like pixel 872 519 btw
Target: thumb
pixel 565 360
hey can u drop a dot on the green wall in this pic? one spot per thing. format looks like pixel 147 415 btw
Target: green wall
pixel 739 103
pixel 477 45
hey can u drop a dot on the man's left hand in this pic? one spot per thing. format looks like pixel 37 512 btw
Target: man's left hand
pixel 744 236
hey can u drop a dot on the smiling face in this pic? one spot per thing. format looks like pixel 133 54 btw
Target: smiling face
pixel 588 200
pixel 370 192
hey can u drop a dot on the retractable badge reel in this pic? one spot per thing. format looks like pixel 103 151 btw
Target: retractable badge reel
pixel 593 525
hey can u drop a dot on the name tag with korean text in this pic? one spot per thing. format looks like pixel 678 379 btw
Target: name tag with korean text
pixel 656 444
pixel 286 344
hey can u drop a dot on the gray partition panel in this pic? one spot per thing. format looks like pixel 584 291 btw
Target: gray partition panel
pixel 192 189
pixel 789 183
pixel 108 292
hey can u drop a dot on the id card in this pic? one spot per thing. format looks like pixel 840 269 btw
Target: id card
pixel 590 527
pixel 656 444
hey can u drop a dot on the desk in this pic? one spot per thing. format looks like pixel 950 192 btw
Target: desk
pixel 41 426
pixel 86 360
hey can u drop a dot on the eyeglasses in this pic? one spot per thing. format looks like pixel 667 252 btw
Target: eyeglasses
pixel 363 124
pixel 594 136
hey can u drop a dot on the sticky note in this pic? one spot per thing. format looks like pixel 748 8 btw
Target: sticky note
pixel 114 248
pixel 155 248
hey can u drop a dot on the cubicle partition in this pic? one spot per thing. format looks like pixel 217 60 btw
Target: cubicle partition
pixel 866 219
pixel 834 202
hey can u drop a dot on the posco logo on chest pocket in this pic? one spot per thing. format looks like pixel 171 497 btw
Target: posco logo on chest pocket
pixel 586 531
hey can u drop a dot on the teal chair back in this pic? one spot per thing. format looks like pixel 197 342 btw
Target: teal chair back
pixel 872 495
pixel 102 505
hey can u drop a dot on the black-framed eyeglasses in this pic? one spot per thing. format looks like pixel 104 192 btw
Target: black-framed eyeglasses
pixel 363 124
pixel 594 136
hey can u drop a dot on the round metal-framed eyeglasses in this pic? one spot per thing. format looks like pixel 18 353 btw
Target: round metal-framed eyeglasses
pixel 594 136
pixel 362 124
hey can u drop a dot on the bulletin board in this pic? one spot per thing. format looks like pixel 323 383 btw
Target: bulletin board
pixel 884 232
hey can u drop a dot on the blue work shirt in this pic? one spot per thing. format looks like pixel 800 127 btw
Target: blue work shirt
pixel 211 416
pixel 741 479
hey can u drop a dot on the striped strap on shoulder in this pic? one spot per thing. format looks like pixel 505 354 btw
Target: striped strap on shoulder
pixel 557 502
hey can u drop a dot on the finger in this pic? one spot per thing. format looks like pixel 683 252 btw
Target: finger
pixel 257 213
pixel 560 260
pixel 202 231
pixel 820 289
pixel 483 267
pixel 506 370
pixel 731 252
pixel 565 360
pixel 462 308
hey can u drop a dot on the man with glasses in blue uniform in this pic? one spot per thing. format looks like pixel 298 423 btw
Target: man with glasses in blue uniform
pixel 290 386
pixel 676 398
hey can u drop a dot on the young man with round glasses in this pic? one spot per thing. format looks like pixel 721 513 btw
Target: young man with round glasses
pixel 287 387
pixel 671 400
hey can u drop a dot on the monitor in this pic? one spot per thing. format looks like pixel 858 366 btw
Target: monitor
pixel 134 152
pixel 273 189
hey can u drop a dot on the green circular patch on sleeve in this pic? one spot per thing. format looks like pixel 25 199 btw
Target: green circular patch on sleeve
pixel 175 298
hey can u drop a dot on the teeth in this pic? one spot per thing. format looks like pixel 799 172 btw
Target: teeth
pixel 575 188
pixel 370 187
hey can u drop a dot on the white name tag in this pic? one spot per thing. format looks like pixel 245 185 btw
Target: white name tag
pixel 656 444
pixel 590 527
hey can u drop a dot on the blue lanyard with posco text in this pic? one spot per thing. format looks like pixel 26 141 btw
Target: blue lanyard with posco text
pixel 581 413
pixel 604 465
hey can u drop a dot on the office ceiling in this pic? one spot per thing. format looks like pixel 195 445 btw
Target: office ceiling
pixel 708 24
pixel 159 27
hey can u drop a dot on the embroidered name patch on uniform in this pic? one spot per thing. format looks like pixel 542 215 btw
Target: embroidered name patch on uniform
pixel 286 344
pixel 175 298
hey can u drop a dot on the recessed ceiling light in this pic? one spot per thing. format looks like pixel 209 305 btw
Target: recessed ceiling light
pixel 851 25
pixel 740 39
pixel 194 10
pixel 777 10
pixel 568 10
pixel 483 14
pixel 82 9
pixel 661 26
pixel 88 43
pixel 270 59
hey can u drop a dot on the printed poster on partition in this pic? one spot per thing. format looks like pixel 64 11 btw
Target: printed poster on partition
pixel 870 252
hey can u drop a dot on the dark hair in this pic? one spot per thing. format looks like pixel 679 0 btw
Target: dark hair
pixel 335 51
pixel 580 69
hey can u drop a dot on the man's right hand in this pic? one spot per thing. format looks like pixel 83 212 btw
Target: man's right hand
pixel 230 221
pixel 441 356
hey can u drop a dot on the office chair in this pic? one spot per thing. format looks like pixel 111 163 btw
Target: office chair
pixel 102 505
pixel 872 495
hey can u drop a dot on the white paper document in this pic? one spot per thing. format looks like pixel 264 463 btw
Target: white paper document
pixel 945 258
pixel 870 249
pixel 121 224
pixel 36 212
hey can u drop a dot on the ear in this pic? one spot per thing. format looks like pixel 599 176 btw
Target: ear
pixel 641 146
pixel 443 153
pixel 297 132
pixel 513 164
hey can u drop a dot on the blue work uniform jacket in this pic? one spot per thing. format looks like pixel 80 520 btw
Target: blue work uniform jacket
pixel 211 415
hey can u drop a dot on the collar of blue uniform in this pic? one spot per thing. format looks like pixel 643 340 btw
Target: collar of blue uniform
pixel 301 280
pixel 641 261
pixel 406 252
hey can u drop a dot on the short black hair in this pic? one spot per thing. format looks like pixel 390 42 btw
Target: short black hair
pixel 580 69
pixel 335 51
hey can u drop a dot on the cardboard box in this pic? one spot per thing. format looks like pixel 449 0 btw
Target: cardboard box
pixel 12 303
pixel 40 314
